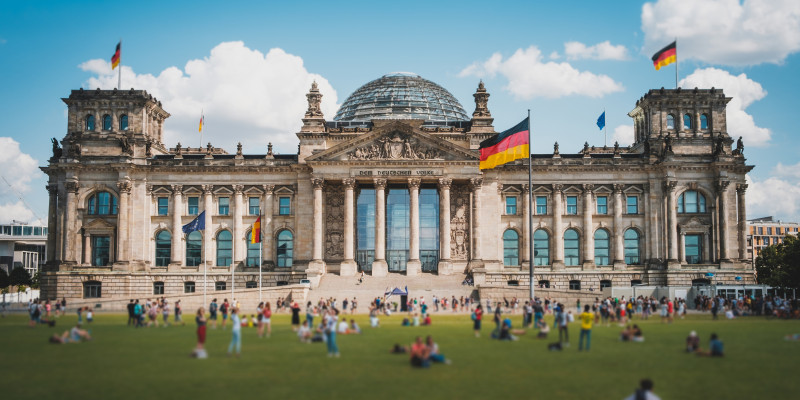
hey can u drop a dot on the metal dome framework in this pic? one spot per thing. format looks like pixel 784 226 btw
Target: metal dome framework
pixel 401 96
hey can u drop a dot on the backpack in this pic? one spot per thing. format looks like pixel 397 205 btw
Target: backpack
pixel 473 316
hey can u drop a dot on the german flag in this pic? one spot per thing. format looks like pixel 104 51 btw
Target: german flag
pixel 115 57
pixel 255 233
pixel 666 56
pixel 506 146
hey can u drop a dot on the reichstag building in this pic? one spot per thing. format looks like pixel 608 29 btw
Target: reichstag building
pixel 391 185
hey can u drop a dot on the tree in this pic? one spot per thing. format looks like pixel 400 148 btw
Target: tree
pixel 4 281
pixel 35 280
pixel 779 265
pixel 19 276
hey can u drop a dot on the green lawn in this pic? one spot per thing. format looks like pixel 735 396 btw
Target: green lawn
pixel 122 362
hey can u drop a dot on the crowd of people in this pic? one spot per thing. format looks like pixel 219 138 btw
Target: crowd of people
pixel 769 306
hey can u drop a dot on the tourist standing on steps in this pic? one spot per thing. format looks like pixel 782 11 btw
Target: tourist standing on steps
pixel 586 328
pixel 236 333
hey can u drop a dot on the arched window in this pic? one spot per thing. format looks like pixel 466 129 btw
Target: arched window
pixel 285 248
pixel 163 248
pixel 510 248
pixel 106 122
pixel 224 248
pixel 541 247
pixel 194 249
pixel 632 251
pixel 572 251
pixel 90 122
pixel 687 121
pixel 691 202
pixel 253 252
pixel 123 122
pixel 704 121
pixel 670 121
pixel 601 247
pixel 102 203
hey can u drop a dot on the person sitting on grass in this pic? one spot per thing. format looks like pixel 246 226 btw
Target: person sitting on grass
pixel 427 320
pixel 304 333
pixel 626 334
pixel 415 319
pixel 433 352
pixel 398 349
pixel 506 332
pixel 74 335
pixel 644 392
pixel 692 342
pixel 544 329
pixel 637 334
pixel 715 348
pixel 419 354
pixel 343 328
pixel 354 328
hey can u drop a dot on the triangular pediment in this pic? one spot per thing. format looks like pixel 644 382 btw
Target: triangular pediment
pixel 395 141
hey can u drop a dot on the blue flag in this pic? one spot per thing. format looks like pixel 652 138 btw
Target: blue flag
pixel 601 121
pixel 197 224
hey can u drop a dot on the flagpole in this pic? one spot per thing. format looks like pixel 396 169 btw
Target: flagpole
pixel 119 79
pixel 605 129
pixel 233 267
pixel 530 207
pixel 676 63
pixel 202 122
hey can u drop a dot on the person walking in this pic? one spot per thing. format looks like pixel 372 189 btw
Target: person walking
pixel 330 333
pixel 296 316
pixel 200 320
pixel 224 310
pixel 236 333
pixel 212 312
pixel 586 328
pixel 131 314
pixel 178 313
pixel 266 320
pixel 477 315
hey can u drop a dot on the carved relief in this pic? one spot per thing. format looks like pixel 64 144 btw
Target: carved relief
pixel 459 222
pixel 397 146
pixel 334 221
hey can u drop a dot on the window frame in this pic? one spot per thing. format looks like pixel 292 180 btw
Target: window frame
pixel 510 244
pixel 220 286
pixel 158 287
pixel 604 205
pixel 123 122
pixel 223 260
pixel 704 121
pixel 635 204
pixel 540 207
pixel 284 209
pixel 538 258
pixel 193 207
pixel 252 261
pixel 687 118
pixel 224 206
pixel 257 205
pixel 629 259
pixel 163 252
pixel 96 204
pixel 572 209
pixel 189 287
pixel 700 202
pixel 695 259
pixel 194 245
pixel 575 284
pixel 162 209
pixel 568 258
pixel 511 209
pixel 92 290
pixel 598 255
pixel 286 259
pixel 670 121
pixel 108 123
pixel 90 122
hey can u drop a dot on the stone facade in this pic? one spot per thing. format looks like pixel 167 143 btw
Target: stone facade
pixel 119 199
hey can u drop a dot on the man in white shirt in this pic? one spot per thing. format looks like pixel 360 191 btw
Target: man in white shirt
pixel 644 392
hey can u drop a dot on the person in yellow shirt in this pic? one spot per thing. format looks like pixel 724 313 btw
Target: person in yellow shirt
pixel 586 319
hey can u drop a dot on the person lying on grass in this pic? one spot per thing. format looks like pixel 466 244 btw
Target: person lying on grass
pixel 506 332
pixel 74 335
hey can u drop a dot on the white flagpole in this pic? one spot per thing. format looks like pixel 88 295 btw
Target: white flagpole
pixel 233 269
pixel 119 79
pixel 676 62
pixel 205 268
pixel 530 206
pixel 202 122
pixel 605 129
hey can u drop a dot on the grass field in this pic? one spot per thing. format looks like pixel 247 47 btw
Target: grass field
pixel 123 362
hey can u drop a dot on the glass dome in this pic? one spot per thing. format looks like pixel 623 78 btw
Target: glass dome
pixel 401 95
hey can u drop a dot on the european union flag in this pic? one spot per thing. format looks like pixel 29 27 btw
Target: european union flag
pixel 197 224
pixel 601 121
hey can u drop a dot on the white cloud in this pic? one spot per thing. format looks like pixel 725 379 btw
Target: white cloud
pixel 623 134
pixel 17 169
pixel 773 196
pixel 790 171
pixel 17 212
pixel 245 95
pixel 744 92
pixel 529 76
pixel 726 32
pixel 601 51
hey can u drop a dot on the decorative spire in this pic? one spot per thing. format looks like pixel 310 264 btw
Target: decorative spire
pixel 269 149
pixel 481 102
pixel 314 100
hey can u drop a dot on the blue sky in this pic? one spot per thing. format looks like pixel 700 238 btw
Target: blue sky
pixel 248 66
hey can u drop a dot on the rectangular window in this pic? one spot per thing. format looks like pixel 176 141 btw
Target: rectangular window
pixel 511 205
pixel 251 285
pixel 574 285
pixel 633 205
pixel 572 205
pixel 254 206
pixel 92 290
pixel 284 206
pixel 693 249
pixel 194 205
pixel 541 205
pixel 769 230
pixel 163 206
pixel 602 205
pixel 188 287
pixel 760 230
pixel 224 205
pixel 101 246
pixel 220 285
pixel 158 287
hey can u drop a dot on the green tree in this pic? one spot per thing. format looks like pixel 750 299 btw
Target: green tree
pixel 4 281
pixel 35 280
pixel 779 265
pixel 19 276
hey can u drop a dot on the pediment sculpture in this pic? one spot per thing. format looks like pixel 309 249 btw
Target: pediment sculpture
pixel 395 147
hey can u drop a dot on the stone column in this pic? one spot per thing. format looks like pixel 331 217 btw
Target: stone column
pixel 379 266
pixel 52 221
pixel 445 266
pixel 239 244
pixel 70 232
pixel 706 247
pixel 742 227
pixel 724 236
pixel 317 263
pixel 177 227
pixel 526 228
pixel 477 260
pixel 617 234
pixel 588 228
pixel 644 249
pixel 558 232
pixel 672 221
pixel 348 267
pixel 682 249
pixel 122 220
pixel 87 249
pixel 413 266
pixel 208 208
pixel 267 241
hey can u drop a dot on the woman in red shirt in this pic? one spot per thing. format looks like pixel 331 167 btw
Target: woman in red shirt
pixel 478 314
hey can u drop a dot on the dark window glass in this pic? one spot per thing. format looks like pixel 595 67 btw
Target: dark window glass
pixel 285 248
pixel 106 122
pixel 602 205
pixel 541 205
pixel 284 206
pixel 92 290
pixel 188 287
pixel 365 229
pixel 224 249
pixel 633 204
pixel 251 285
pixel 194 247
pixel 632 251
pixel 601 247
pixel 510 248
pixel 102 203
pixel 572 253
pixel 511 205
pixel 90 122
pixel 604 284
pixel 253 252
pixel 253 204
pixel 544 284
pixel 101 250
pixel 163 206
pixel 158 287
pixel 220 285
pixel 693 248
pixel 541 247
pixel 572 205
pixel 574 285
pixel 163 248
pixel 224 205
pixel 429 229
pixel 194 205
pixel 123 122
